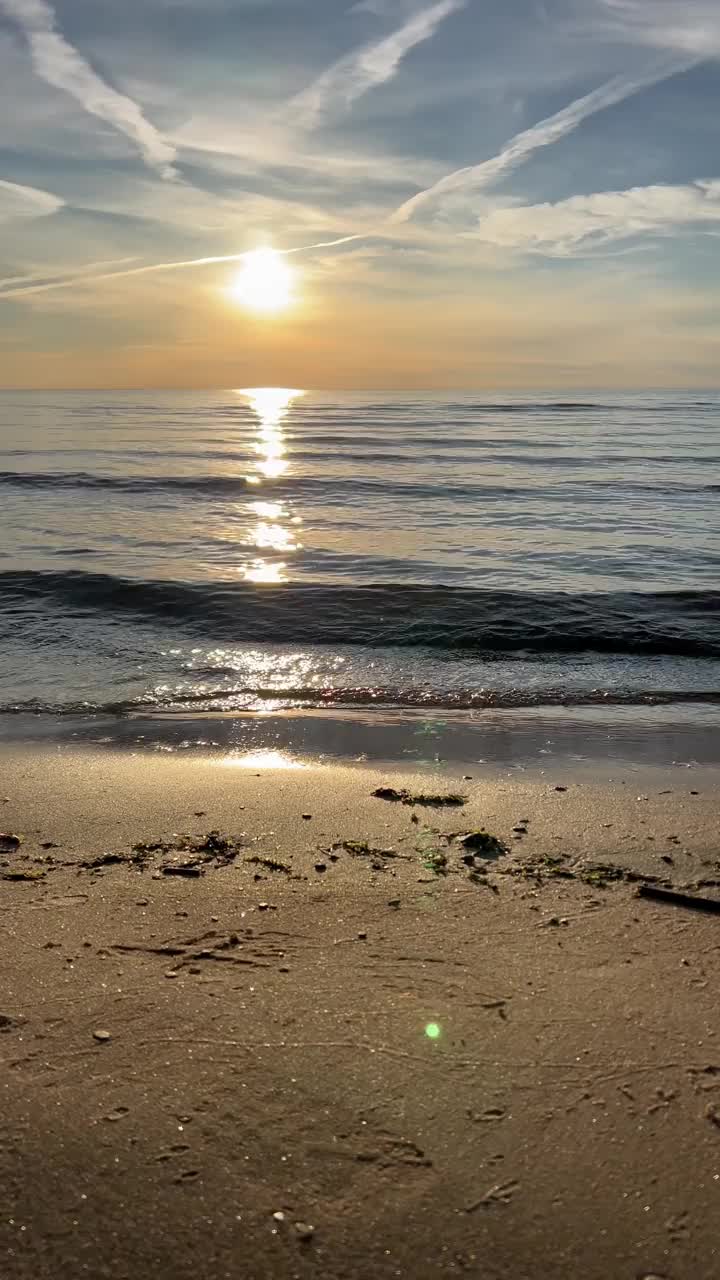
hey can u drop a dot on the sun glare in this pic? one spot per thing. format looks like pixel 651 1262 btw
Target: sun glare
pixel 265 282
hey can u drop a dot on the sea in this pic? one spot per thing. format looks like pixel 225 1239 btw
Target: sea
pixel 171 561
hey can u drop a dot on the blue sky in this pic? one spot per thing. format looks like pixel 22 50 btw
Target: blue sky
pixel 534 188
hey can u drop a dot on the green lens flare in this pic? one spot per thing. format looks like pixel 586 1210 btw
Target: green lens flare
pixel 432 1031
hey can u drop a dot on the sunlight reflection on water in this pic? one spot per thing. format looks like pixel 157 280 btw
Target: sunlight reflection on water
pixel 271 406
pixel 262 760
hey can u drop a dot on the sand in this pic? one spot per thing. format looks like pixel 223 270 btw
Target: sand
pixel 230 1074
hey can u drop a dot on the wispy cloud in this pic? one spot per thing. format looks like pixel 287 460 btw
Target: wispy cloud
pixel 690 26
pixel 62 66
pixel 371 65
pixel 479 177
pixel 583 224
pixel 17 201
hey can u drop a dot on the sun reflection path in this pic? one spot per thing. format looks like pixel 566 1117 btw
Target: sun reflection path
pixel 271 406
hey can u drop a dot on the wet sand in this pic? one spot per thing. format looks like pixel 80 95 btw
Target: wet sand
pixel 331 1046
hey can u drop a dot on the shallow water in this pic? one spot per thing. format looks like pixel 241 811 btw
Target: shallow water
pixel 266 549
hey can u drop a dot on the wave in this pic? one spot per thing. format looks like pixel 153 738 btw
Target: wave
pixel 446 618
pixel 222 700
pixel 235 485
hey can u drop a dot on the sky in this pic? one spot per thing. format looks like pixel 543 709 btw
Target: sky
pixel 526 192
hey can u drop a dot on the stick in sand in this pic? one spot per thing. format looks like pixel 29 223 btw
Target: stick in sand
pixel 678 899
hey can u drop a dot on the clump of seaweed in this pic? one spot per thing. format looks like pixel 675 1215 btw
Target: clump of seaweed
pixel 270 864
pixel 212 849
pixel 483 844
pixel 429 801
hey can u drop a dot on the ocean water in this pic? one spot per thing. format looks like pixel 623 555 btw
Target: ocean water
pixel 270 549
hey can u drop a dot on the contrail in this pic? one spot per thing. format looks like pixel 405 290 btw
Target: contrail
pixel 479 176
pixel 30 277
pixel 369 66
pixel 61 65
pixel 81 277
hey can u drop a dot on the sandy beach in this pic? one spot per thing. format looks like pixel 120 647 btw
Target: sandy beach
pixel 335 1039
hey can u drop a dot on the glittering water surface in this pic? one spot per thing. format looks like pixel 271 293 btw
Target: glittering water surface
pixel 272 548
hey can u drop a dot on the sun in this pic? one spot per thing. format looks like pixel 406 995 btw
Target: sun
pixel 265 282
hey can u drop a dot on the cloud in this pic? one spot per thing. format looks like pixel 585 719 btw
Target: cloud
pixel 369 66
pixel 62 66
pixel 584 223
pixel 26 202
pixel 481 176
pixel 689 26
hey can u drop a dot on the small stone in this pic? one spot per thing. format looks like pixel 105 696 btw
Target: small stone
pixel 101 1036
pixel 279 1216
pixel 307 817
pixel 118 1114
pixel 9 842
pixel 195 968
pixel 395 903
pixel 712 1112
pixel 305 1232
pixel 171 973
pixel 320 867
pixel 266 906
pixel 200 813
pixel 561 788
pixel 362 937
pixel 141 902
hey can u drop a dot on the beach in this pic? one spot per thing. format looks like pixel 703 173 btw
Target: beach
pixel 258 1021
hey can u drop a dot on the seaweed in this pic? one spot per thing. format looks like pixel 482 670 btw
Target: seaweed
pixel 429 801
pixel 483 844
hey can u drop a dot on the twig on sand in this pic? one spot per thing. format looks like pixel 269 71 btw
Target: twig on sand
pixel 675 899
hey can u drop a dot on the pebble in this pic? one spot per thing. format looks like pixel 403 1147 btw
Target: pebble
pixel 561 788
pixel 171 973
pixel 362 937
pixel 279 1216
pixel 118 1114
pixel 304 1231
pixel 142 902
pixel 394 902
pixel 320 867
pixel 101 1036
pixel 307 817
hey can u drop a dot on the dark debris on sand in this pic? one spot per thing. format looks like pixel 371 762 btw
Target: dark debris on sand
pixel 403 796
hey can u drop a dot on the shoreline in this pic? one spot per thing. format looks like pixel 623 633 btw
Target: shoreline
pixel 600 741
pixel 340 1048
